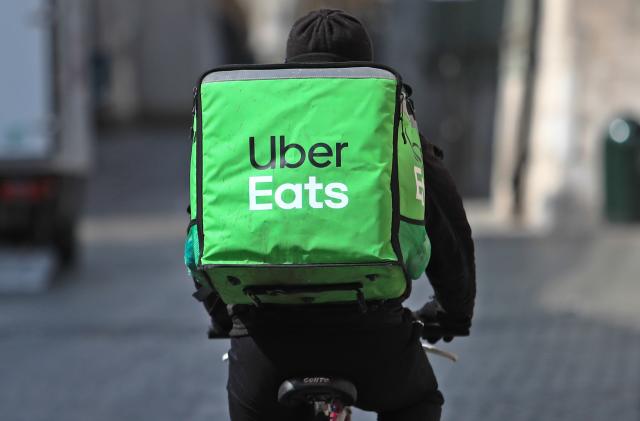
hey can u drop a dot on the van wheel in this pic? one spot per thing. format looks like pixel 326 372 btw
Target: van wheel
pixel 66 245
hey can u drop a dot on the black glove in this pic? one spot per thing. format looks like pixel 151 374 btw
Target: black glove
pixel 438 324
pixel 217 331
pixel 221 323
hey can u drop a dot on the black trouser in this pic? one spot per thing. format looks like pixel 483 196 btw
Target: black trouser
pixel 387 365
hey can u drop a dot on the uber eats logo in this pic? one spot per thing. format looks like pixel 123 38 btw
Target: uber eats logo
pixel 264 195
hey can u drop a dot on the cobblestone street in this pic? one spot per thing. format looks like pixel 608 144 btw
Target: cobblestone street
pixel 556 334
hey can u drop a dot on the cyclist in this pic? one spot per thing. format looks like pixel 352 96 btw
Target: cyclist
pixel 378 350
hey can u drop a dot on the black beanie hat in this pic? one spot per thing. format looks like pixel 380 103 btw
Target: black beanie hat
pixel 328 35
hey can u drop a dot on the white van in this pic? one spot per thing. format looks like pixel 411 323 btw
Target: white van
pixel 45 122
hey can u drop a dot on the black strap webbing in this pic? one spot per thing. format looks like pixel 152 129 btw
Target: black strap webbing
pixel 202 293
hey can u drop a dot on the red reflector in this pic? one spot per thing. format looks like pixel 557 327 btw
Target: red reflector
pixel 26 190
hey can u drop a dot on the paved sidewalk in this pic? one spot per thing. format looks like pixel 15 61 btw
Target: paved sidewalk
pixel 556 336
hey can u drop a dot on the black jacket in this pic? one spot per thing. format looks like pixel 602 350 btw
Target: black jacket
pixel 452 267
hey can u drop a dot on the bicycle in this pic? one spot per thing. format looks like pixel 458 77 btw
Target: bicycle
pixel 332 397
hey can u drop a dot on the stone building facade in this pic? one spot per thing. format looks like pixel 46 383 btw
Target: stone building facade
pixel 586 74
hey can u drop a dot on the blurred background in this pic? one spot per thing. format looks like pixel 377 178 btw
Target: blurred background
pixel 534 103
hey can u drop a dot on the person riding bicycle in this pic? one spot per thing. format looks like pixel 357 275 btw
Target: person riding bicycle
pixel 378 350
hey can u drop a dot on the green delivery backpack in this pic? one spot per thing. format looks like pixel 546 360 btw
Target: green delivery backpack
pixel 306 185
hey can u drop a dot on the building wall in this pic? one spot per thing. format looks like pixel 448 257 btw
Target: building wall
pixel 513 68
pixel 154 51
pixel 607 54
pixel 177 43
pixel 549 194
pixel 587 73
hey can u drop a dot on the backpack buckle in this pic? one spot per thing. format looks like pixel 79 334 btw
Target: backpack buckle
pixel 254 298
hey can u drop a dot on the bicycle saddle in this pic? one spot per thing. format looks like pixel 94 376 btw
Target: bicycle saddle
pixel 303 390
